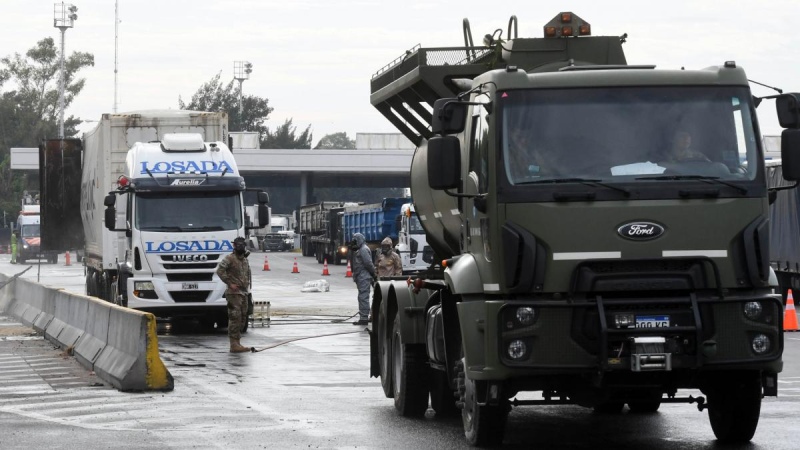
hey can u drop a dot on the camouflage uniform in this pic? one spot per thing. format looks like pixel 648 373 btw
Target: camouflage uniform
pixel 235 269
pixel 363 275
pixel 389 264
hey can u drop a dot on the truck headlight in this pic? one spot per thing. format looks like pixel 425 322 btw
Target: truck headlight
pixel 25 246
pixel 526 315
pixel 752 310
pixel 144 289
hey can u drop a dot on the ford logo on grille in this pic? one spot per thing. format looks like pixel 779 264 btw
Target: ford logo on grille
pixel 640 231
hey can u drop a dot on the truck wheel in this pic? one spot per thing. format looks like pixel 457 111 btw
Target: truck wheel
pixel 484 425
pixel 650 403
pixel 609 407
pixel 409 370
pixel 384 352
pixel 734 407
pixel 442 399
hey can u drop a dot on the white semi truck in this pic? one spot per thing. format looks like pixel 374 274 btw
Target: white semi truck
pixel 173 200
pixel 412 245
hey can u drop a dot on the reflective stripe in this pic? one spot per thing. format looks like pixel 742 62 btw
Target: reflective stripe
pixel 708 253
pixel 455 212
pixel 491 287
pixel 585 255
pixel 437 215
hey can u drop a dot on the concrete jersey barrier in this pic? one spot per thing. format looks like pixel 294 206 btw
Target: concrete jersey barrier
pixel 119 344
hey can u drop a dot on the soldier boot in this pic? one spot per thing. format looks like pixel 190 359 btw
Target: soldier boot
pixel 236 347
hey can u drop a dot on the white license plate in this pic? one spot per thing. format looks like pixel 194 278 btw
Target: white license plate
pixel 189 286
pixel 652 321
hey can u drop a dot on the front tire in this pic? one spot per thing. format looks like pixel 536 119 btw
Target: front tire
pixel 484 425
pixel 734 407
pixel 409 370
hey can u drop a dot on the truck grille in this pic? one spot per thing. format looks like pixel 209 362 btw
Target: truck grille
pixel 189 296
pixel 197 276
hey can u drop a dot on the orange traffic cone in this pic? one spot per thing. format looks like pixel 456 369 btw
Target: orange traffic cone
pixel 67 261
pixel 349 273
pixel 789 314
pixel 294 268
pixel 325 268
pixel 266 263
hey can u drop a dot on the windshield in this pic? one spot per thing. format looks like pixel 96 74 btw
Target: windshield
pixel 414 227
pixel 629 134
pixel 30 231
pixel 200 211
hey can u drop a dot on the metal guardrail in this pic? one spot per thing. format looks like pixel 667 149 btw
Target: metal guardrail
pixel 419 57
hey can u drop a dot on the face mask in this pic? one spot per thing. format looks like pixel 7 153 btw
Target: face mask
pixel 239 249
pixel 385 250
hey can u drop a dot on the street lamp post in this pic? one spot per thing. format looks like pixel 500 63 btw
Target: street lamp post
pixel 241 72
pixel 64 16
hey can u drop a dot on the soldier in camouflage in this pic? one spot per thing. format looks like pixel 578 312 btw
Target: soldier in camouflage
pixel 389 263
pixel 234 271
pixel 363 275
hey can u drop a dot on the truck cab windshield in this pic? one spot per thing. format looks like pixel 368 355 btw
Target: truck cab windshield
pixel 177 212
pixel 30 231
pixel 628 134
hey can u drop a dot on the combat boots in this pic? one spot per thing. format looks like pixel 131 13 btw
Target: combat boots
pixel 236 347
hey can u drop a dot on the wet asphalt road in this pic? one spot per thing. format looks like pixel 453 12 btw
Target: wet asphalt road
pixel 308 393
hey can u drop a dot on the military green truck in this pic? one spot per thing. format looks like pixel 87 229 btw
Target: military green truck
pixel 602 230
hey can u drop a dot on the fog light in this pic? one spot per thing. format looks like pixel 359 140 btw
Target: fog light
pixel 761 344
pixel 752 310
pixel 517 349
pixel 526 315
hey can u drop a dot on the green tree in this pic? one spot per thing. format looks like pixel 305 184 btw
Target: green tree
pixel 285 136
pixel 336 141
pixel 29 107
pixel 216 97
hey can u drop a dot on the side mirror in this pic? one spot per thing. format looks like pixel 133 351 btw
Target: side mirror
pixel 263 197
pixel 790 154
pixel 788 108
pixel 263 213
pixel 444 162
pixel 449 116
pixel 110 200
pixel 111 217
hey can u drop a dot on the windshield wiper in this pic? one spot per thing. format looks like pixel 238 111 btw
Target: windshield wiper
pixel 162 228
pixel 741 189
pixel 585 181
pixel 206 228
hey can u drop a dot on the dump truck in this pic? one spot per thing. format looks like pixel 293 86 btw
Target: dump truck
pixel 173 204
pixel 320 231
pixel 376 221
pixel 603 232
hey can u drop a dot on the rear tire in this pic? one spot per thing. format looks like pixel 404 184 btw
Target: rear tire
pixel 384 352
pixel 409 370
pixel 610 407
pixel 649 404
pixel 734 406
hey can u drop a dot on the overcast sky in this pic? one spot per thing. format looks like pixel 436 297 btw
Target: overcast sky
pixel 313 59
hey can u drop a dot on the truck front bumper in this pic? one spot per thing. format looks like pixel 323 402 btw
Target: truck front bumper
pixel 678 336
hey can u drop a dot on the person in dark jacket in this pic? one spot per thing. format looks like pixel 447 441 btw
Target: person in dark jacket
pixel 363 275
pixel 234 271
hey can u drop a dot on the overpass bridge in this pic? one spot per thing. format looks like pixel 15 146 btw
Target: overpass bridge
pixel 295 177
